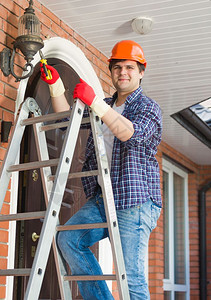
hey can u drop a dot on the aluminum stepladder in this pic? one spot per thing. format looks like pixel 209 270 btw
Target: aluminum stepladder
pixel 53 188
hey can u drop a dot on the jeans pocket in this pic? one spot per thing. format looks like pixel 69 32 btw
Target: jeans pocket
pixel 155 214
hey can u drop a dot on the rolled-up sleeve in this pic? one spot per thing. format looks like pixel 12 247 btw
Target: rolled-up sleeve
pixel 146 123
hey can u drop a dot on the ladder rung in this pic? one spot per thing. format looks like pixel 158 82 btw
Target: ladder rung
pixel 61 125
pixel 85 120
pixel 50 117
pixel 89 277
pixel 33 165
pixel 78 175
pixel 46 118
pixel 81 226
pixel 23 216
pixel 53 126
pixel 15 272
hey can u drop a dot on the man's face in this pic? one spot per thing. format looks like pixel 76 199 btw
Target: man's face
pixel 126 76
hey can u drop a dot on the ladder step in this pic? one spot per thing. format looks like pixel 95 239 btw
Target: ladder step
pixel 81 226
pixel 77 175
pixel 23 216
pixel 15 272
pixel 89 277
pixel 33 165
pixel 61 125
pixel 51 117
pixel 53 126
pixel 49 163
pixel 46 118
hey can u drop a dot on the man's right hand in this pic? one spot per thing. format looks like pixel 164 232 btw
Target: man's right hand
pixel 55 84
pixel 54 74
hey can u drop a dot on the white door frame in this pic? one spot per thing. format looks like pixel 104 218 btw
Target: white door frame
pixel 168 284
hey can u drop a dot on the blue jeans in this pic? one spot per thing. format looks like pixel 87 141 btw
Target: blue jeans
pixel 135 225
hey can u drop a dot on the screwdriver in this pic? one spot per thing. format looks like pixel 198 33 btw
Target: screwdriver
pixel 44 62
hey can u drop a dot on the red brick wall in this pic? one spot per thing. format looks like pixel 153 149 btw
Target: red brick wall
pixel 208 207
pixel 52 26
pixel 9 12
pixel 205 178
pixel 156 252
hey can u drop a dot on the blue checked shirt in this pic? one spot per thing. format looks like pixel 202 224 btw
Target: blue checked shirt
pixel 134 170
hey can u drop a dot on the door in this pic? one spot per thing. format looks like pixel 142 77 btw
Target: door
pixel 30 196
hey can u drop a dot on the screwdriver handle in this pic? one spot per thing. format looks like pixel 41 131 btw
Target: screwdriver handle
pixel 47 72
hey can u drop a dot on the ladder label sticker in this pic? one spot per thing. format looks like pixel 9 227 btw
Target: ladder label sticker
pixel 101 146
pixel 110 198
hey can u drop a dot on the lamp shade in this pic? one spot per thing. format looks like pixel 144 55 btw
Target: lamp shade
pixel 29 40
pixel 29 24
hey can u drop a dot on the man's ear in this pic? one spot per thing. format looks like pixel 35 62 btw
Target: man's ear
pixel 142 74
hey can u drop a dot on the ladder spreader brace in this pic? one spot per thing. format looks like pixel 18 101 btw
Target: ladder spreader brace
pixel 53 188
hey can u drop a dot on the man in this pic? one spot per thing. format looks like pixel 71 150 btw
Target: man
pixel 132 126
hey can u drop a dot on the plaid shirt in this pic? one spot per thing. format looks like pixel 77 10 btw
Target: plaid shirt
pixel 134 169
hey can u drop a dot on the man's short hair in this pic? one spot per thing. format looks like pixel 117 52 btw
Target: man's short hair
pixel 114 61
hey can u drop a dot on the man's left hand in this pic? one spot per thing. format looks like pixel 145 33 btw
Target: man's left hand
pixel 86 93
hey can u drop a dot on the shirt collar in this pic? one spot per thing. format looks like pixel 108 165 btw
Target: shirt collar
pixel 129 99
pixel 134 95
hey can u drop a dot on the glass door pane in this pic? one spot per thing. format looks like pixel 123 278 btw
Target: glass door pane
pixel 180 296
pixel 167 295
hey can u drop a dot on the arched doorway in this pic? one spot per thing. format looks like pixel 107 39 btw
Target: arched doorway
pixel 30 195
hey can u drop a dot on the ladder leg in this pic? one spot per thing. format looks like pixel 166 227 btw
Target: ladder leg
pixel 110 208
pixel 51 219
pixel 12 150
pixel 42 152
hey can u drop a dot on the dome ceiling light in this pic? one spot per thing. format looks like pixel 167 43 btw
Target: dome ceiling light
pixel 142 25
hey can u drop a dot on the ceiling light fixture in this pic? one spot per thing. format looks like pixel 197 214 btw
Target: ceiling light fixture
pixel 28 42
pixel 142 25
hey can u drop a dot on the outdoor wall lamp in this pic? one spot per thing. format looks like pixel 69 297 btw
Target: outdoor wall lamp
pixel 28 42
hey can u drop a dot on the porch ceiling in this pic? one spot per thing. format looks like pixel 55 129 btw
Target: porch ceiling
pixel 178 52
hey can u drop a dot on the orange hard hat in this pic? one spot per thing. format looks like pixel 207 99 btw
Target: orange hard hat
pixel 130 50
